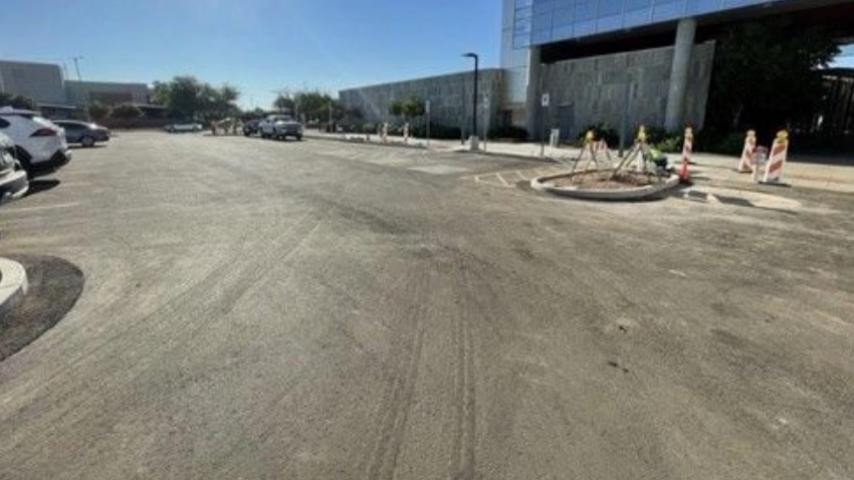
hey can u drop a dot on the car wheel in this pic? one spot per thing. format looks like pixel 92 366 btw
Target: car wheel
pixel 87 142
pixel 299 138
pixel 25 165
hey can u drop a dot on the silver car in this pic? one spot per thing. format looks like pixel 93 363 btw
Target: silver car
pixel 84 133
pixel 13 178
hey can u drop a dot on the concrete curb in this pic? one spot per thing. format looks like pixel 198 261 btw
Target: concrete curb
pixel 425 149
pixel 13 284
pixel 359 142
pixel 542 184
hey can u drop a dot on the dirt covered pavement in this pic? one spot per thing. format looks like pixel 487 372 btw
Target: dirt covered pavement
pixel 258 309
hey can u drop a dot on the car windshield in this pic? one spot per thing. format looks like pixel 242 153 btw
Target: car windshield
pixel 427 240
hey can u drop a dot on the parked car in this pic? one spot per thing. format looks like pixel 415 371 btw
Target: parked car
pixel 86 134
pixel 40 144
pixel 280 127
pixel 251 127
pixel 184 127
pixel 13 178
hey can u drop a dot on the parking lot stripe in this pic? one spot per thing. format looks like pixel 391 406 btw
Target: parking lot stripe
pixel 38 208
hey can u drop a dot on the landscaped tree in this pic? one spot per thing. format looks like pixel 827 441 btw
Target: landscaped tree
pixel 98 111
pixel 284 103
pixel 413 108
pixel 126 111
pixel 766 75
pixel 16 101
pixel 314 105
pixel 218 103
pixel 408 109
pixel 188 98
pixel 396 108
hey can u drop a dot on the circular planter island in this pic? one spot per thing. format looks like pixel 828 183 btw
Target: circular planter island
pixel 604 185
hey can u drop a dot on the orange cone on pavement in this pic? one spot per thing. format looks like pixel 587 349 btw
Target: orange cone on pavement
pixel 746 163
pixel 687 151
pixel 777 158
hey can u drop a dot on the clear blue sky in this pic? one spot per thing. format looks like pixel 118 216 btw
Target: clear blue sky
pixel 257 45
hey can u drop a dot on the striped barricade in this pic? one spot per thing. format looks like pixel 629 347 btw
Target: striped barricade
pixel 746 163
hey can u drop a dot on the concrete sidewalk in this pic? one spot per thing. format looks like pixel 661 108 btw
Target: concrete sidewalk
pixel 839 178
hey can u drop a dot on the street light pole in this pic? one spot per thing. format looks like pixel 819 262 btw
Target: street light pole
pixel 77 67
pixel 474 99
pixel 81 88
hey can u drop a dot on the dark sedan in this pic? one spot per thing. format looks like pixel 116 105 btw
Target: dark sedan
pixel 86 134
pixel 251 127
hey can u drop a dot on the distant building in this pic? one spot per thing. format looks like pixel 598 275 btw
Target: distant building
pixel 58 97
pixel 449 97
pixel 107 93
pixel 42 82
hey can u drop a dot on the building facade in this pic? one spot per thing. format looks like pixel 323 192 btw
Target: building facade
pixel 43 82
pixel 58 97
pixel 614 62
pixel 107 93
pixel 450 98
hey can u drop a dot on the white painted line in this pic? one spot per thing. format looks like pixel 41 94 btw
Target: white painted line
pixel 502 180
pixel 678 273
pixel 520 174
pixel 43 207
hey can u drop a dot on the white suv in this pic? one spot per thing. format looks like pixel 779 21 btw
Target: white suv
pixel 281 127
pixel 39 144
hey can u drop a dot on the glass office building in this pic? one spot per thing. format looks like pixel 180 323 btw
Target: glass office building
pixel 537 22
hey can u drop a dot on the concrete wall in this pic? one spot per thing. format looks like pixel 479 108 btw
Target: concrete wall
pixel 450 97
pixel 591 90
pixel 108 93
pixel 40 81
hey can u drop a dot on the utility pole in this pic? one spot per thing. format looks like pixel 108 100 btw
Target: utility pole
pixel 474 98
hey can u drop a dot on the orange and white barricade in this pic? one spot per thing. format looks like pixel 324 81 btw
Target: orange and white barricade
pixel 687 151
pixel 746 163
pixel 601 147
pixel 777 158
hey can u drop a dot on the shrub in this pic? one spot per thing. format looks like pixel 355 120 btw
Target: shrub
pixel 670 144
pixel 726 144
pixel 98 111
pixel 603 131
pixel 509 132
pixel 441 132
pixel 16 101
pixel 126 111
pixel 661 139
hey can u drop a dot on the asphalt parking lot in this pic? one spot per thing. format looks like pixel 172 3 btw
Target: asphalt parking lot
pixel 260 309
